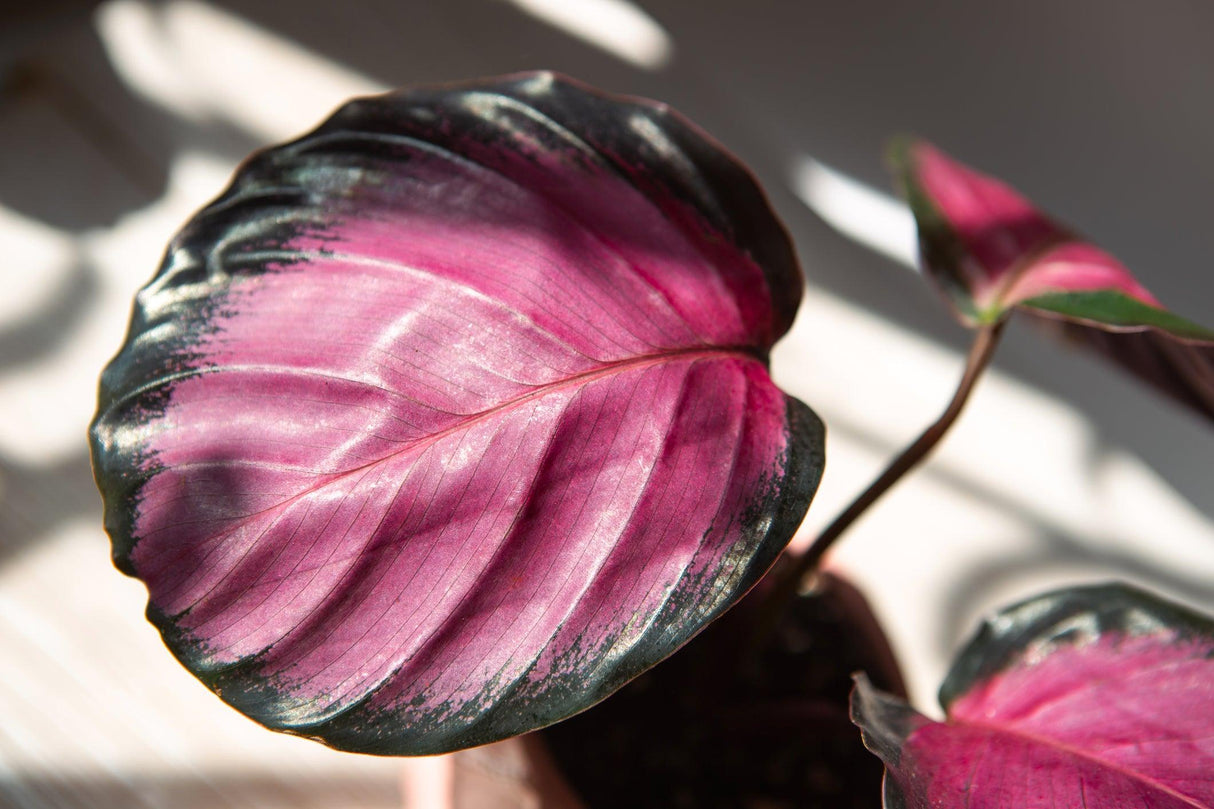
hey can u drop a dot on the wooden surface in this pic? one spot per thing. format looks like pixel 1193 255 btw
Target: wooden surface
pixel 118 121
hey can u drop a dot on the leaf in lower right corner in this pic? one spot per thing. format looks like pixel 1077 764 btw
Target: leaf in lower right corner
pixel 1088 697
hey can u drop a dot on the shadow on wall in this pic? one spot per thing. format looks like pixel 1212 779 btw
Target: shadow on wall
pixel 35 500
pixel 87 157
pixel 1056 548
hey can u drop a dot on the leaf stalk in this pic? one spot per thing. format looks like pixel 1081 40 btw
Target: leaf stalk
pixel 798 576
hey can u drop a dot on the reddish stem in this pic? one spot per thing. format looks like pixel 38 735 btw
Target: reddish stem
pixel 799 574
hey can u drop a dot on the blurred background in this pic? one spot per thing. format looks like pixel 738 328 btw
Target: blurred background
pixel 119 119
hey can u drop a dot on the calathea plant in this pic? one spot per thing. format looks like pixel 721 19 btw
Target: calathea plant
pixel 450 418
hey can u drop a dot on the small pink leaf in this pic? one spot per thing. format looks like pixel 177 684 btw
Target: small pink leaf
pixel 1098 697
pixel 989 250
pixel 452 416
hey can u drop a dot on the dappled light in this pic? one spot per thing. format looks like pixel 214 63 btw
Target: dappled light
pixel 618 27
pixel 860 212
pixel 121 120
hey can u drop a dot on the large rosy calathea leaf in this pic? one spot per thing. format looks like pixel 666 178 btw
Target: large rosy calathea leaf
pixel 452 416
pixel 991 252
pixel 1099 696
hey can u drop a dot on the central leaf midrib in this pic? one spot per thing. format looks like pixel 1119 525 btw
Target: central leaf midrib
pixel 1046 741
pixel 585 377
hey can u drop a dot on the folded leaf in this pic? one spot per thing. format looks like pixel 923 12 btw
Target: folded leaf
pixel 990 251
pixel 1099 696
pixel 449 418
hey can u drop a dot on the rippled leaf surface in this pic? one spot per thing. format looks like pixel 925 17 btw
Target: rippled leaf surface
pixel 1098 697
pixel 989 250
pixel 452 416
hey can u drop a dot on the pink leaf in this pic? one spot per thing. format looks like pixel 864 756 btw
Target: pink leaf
pixel 990 251
pixel 452 416
pixel 1100 697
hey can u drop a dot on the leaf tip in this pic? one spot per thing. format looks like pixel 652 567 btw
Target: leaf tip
pixel 885 721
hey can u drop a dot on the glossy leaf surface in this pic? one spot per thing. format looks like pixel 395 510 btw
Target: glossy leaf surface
pixel 1101 696
pixel 989 250
pixel 452 416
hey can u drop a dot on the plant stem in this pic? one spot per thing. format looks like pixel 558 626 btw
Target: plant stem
pixel 979 357
pixel 793 578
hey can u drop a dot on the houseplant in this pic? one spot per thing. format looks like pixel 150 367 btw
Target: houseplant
pixel 450 418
